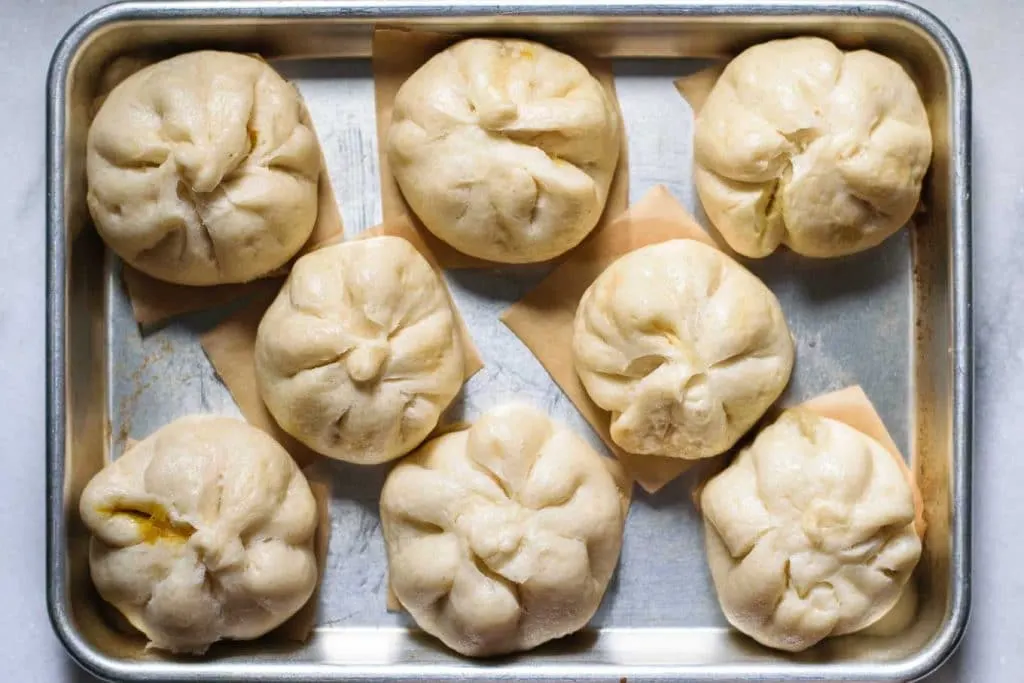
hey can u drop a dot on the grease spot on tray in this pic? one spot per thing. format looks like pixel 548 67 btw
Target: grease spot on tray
pixel 140 384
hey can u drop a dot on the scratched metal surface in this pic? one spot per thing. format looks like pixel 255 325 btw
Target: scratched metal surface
pixel 850 318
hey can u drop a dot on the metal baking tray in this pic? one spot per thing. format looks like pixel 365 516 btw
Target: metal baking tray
pixel 896 319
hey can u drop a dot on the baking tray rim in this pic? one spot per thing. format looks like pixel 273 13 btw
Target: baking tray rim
pixel 917 666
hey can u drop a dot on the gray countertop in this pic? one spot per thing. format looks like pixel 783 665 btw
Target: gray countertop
pixel 990 32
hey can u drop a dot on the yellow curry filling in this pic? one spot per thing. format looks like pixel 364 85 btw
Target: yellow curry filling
pixel 153 523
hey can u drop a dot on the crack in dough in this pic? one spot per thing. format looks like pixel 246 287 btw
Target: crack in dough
pixel 359 353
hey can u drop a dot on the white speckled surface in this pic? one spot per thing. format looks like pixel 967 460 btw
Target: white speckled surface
pixel 990 33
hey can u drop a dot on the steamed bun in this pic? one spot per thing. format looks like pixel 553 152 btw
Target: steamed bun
pixel 359 353
pixel 203 531
pixel 504 536
pixel 683 346
pixel 203 169
pixel 802 144
pixel 505 149
pixel 810 532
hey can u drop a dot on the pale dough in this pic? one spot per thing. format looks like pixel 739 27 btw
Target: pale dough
pixel 203 531
pixel 359 353
pixel 802 144
pixel 505 149
pixel 810 532
pixel 683 346
pixel 203 169
pixel 503 536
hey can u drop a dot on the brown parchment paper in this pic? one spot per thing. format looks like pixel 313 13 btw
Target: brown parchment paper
pixel 696 87
pixel 230 346
pixel 397 54
pixel 153 300
pixel 543 319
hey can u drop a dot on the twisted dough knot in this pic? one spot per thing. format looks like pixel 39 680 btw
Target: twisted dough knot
pixel 359 353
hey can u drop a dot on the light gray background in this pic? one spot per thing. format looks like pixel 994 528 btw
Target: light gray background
pixel 990 32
